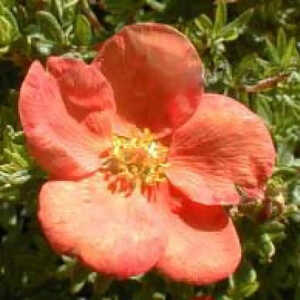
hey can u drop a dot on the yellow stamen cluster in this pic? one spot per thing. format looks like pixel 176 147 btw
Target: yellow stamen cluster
pixel 140 160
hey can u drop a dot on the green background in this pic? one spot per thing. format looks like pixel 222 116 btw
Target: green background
pixel 250 49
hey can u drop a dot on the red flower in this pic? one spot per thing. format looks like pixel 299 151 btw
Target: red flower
pixel 141 160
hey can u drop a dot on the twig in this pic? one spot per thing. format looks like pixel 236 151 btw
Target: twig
pixel 265 84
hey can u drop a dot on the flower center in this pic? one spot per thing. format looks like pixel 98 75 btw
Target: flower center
pixel 140 160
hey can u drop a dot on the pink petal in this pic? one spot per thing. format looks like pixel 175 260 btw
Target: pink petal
pixel 203 246
pixel 224 145
pixel 87 94
pixel 100 123
pixel 156 75
pixel 58 142
pixel 112 234
pixel 81 84
pixel 118 125
pixel 190 183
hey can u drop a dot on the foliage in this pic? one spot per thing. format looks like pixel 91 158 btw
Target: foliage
pixel 250 50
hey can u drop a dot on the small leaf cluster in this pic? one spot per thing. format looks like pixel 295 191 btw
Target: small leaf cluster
pixel 36 29
pixel 250 50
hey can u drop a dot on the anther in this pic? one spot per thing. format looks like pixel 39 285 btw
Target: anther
pixel 136 162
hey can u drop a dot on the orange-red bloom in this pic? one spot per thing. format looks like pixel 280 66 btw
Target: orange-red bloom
pixel 141 160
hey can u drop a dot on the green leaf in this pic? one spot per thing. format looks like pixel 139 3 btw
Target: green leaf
pixel 272 226
pixel 263 109
pixel 101 283
pixel 272 52
pixel 238 26
pixel 5 31
pixel 13 29
pixel 79 278
pixel 230 35
pixel 122 7
pixel 281 41
pixel 3 50
pixel 296 195
pixel 221 18
pixel 44 47
pixel 9 3
pixel 158 296
pixel 58 8
pixel 50 26
pixel 204 23
pixel 83 30
pixel 267 248
pixel 288 53
pixel 285 154
pixel 244 282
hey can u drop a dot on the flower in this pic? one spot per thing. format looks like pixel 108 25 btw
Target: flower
pixel 140 159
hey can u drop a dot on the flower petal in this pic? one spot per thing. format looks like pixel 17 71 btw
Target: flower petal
pixel 97 121
pixel 190 183
pixel 203 246
pixel 225 145
pixel 61 146
pixel 112 234
pixel 81 84
pixel 87 94
pixel 156 75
